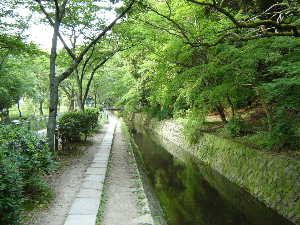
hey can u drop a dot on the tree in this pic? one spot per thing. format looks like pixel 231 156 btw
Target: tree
pixel 55 21
pixel 198 58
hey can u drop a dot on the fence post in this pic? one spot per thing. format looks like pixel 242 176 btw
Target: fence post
pixel 35 123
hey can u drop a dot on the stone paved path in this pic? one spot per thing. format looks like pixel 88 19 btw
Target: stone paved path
pixel 86 204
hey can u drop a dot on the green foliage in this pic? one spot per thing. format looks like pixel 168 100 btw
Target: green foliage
pixel 165 113
pixel 24 157
pixel 235 126
pixel 180 107
pixel 92 116
pixel 284 95
pixel 284 133
pixel 73 125
pixel 193 126
pixel 11 189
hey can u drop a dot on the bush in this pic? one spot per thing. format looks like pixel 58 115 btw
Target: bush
pixel 72 126
pixel 235 126
pixel 11 188
pixel 92 116
pixel 284 133
pixel 24 156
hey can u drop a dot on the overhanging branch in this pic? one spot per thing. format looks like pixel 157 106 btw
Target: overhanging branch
pixel 251 24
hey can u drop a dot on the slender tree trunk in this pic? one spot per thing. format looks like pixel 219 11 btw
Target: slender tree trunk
pixel 231 105
pixel 20 114
pixel 71 107
pixel 221 113
pixel 52 112
pixel 34 111
pixel 41 108
pixel 54 82
pixel 266 108
pixel 79 96
pixel 6 118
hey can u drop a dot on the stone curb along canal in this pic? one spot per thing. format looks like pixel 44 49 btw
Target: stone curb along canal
pixel 273 180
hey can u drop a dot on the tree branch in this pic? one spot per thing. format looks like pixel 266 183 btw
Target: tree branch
pixel 251 24
pixel 168 18
pixel 75 62
pixel 52 24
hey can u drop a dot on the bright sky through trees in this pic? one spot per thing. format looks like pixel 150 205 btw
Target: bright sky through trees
pixel 42 34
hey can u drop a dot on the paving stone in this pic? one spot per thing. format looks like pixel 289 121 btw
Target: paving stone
pixel 101 158
pixel 81 220
pixel 85 206
pixel 102 154
pixel 105 148
pixel 89 193
pixel 97 185
pixel 98 165
pixel 95 178
pixel 107 140
pixel 100 161
pixel 106 144
pixel 104 151
pixel 95 171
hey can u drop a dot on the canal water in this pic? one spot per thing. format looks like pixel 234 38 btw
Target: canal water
pixel 190 192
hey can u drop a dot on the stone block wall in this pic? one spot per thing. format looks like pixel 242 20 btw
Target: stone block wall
pixel 273 179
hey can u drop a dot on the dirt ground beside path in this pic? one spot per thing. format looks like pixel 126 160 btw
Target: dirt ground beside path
pixel 120 207
pixel 66 182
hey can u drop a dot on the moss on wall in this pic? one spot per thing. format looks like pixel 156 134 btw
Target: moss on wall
pixel 272 179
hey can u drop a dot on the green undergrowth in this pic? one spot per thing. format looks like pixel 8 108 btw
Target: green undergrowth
pixel 25 158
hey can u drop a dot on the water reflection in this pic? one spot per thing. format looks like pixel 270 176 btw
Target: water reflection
pixel 192 193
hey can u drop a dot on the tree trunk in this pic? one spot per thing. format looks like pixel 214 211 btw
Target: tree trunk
pixel 79 96
pixel 265 106
pixel 221 113
pixel 231 105
pixel 71 107
pixel 53 87
pixel 20 114
pixel 52 112
pixel 54 81
pixel 6 118
pixel 41 108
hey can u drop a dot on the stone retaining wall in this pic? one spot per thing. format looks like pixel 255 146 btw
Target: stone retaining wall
pixel 272 179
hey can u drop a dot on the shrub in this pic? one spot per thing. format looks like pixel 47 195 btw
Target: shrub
pixel 235 126
pixel 24 156
pixel 69 126
pixel 284 133
pixel 11 188
pixel 92 116
pixel 72 126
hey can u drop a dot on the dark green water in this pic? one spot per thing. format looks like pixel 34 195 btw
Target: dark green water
pixel 192 193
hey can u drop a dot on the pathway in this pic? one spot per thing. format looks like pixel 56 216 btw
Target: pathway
pixel 78 186
pixel 85 207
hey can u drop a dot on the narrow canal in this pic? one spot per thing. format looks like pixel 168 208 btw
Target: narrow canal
pixel 192 193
